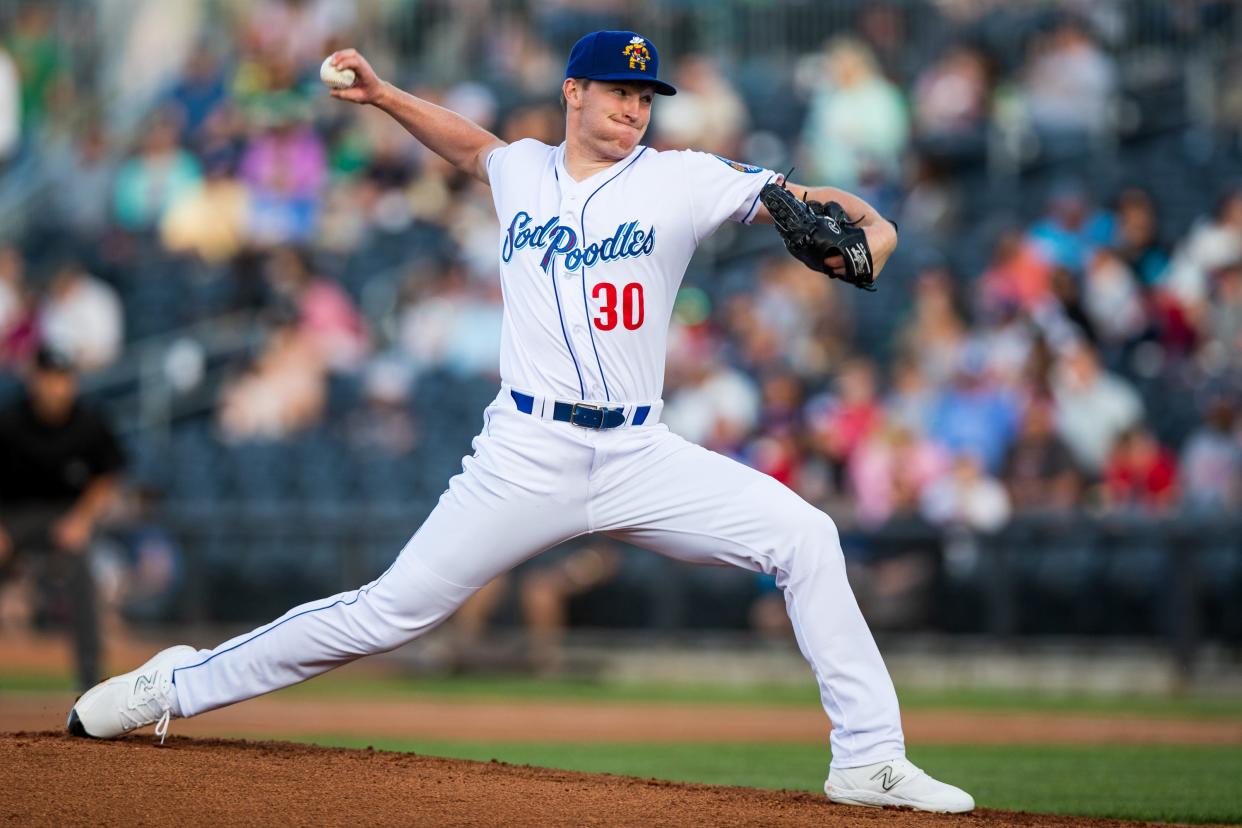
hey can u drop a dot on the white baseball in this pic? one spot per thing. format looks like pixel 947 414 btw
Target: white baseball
pixel 333 77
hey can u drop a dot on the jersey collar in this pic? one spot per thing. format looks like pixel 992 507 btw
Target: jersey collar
pixel 567 181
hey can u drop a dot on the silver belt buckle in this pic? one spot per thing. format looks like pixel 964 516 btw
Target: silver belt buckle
pixel 595 419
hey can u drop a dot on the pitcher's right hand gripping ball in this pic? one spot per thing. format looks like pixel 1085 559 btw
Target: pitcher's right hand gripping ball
pixel 364 87
pixel 813 231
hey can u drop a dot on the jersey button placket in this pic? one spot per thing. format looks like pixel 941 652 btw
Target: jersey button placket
pixel 567 220
pixel 581 335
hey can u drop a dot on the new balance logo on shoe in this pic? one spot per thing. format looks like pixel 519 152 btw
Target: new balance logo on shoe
pixel 887 780
pixel 144 682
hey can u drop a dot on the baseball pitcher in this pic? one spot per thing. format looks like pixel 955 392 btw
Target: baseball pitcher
pixel 596 236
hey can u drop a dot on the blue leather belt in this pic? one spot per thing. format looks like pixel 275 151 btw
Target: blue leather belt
pixel 584 415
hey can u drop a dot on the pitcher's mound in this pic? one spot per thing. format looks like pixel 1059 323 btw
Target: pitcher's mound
pixel 54 779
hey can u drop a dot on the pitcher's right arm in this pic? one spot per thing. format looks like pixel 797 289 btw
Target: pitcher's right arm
pixel 456 139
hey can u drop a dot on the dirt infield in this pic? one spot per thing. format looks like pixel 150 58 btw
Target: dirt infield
pixel 53 779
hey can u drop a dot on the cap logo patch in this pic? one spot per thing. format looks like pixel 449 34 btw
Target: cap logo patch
pixel 637 52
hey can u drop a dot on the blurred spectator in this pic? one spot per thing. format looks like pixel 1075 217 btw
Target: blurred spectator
pixel 1007 343
pixel 546 587
pixel 1211 463
pixel 776 449
pixel 716 407
pixel 12 286
pixel 198 91
pixel 937 333
pixel 326 315
pixel 706 113
pixel 210 221
pixel 889 472
pixel 40 63
pixel 384 420
pixel 546 592
pixel 1137 238
pixel 933 204
pixel 1039 471
pixel 1065 321
pixel 911 397
pixel 475 101
pixel 780 456
pixel 1071 229
pixel 541 121
pixel 18 320
pixel 1018 275
pixel 967 497
pixel 222 137
pixel 296 32
pixel 951 100
pixel 59 465
pixel 10 107
pixel 1211 244
pixel 857 127
pixel 519 53
pixel 792 318
pixel 884 28
pixel 839 423
pixel 472 226
pixel 282 393
pixel 1229 98
pixel 974 415
pixel 141 571
pixel 81 176
pixel 1093 407
pixel 151 181
pixel 407 188
pixel 452 324
pixel 284 167
pixel 1224 321
pixel 80 316
pixel 1141 474
pixel 1037 376
pixel 1112 300
pixel 425 312
pixel 1069 83
pixel 782 399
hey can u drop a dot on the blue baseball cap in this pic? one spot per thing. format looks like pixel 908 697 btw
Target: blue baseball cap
pixel 617 56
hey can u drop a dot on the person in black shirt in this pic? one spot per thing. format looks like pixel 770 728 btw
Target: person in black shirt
pixel 59 471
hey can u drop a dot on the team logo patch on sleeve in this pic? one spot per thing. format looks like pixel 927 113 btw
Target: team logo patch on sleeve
pixel 742 168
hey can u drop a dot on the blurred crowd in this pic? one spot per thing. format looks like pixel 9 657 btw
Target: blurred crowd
pixel 1022 380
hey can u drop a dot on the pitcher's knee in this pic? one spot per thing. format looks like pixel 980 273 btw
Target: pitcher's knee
pixel 385 637
pixel 803 523
pixel 811 535
pixel 385 621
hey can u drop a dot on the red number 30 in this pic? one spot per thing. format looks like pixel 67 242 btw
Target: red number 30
pixel 632 310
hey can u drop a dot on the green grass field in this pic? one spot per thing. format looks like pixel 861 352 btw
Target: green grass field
pixel 347 685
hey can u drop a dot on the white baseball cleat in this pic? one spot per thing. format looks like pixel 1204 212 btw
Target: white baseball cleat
pixel 137 699
pixel 897 783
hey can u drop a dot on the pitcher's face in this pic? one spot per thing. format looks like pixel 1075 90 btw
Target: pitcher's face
pixel 610 117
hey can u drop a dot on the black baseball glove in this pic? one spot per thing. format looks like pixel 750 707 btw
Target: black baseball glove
pixel 813 231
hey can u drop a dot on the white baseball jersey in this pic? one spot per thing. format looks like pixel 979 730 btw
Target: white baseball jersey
pixel 590 268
